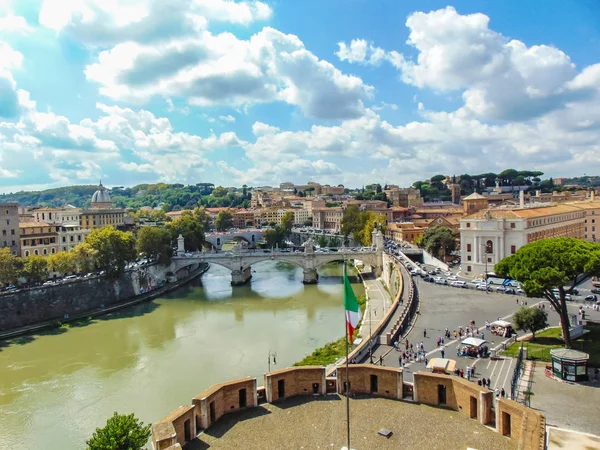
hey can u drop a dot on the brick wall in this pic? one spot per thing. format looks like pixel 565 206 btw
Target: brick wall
pixel 225 398
pixel 305 380
pixel 172 429
pixel 521 424
pixel 386 380
pixel 461 395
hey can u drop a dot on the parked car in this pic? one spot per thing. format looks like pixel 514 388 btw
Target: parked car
pixel 452 278
pixel 484 287
pixel 520 291
pixel 440 280
pixel 590 298
pixel 478 281
pixel 595 290
pixel 510 291
pixel 500 289
pixel 427 278
pixel 459 284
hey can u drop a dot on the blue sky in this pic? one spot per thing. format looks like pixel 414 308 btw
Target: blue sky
pixel 261 92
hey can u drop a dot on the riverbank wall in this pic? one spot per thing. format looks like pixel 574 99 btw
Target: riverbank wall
pixel 522 425
pixel 46 306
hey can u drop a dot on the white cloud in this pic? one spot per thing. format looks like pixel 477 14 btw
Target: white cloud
pixel 224 70
pixel 108 22
pixel 360 51
pixel 228 118
pixel 10 60
pixel 11 24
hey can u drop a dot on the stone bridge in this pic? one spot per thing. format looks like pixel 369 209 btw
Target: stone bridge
pixel 251 236
pixel 240 261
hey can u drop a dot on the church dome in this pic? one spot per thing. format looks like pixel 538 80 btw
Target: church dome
pixel 101 195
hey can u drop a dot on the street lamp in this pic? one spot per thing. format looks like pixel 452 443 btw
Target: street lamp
pixel 272 356
pixel 485 256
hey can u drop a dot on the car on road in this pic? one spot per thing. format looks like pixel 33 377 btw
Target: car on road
pixel 459 284
pixel 440 280
pixel 478 281
pixel 510 291
pixel 591 298
pixel 500 289
pixel 266 251
pixel 452 278
pixel 520 291
pixel 595 290
pixel 483 287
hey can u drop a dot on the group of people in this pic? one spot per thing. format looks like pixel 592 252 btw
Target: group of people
pixel 411 353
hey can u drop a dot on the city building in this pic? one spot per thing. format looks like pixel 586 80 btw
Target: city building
pixel 489 235
pixel 474 202
pixel 243 218
pixel 592 218
pixel 67 220
pixel 38 238
pixel 101 214
pixel 329 219
pixel 9 227
pixel 404 232
pixel 301 216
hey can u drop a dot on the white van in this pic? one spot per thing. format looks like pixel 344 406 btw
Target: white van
pixel 459 284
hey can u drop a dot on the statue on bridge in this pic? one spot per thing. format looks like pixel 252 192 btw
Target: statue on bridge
pixel 309 245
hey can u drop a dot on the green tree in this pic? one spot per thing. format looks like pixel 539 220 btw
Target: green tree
pixel 63 262
pixel 530 319
pixel 219 191
pixel 191 230
pixel 203 217
pixel 549 264
pixel 287 222
pixel 113 249
pixel 121 432
pixel 274 237
pixel 156 243
pixel 438 241
pixel 35 269
pixel 224 220
pixel 352 220
pixel 8 267
pixel 322 241
pixel 84 257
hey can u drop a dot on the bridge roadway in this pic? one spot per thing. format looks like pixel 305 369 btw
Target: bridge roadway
pixel 240 262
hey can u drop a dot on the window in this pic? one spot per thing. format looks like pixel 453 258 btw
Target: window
pixel 26 252
pixel 513 249
pixel 468 268
pixel 45 252
pixel 3 232
pixel 468 257
pixel 468 247
pixel 36 251
pixel 593 228
pixel 53 250
pixel 489 260
pixel 12 232
pixel 489 247
pixel 468 224
pixel 64 239
pixel 593 220
pixel 512 224
pixel 13 243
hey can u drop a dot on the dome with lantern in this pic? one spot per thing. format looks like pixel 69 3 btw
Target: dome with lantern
pixel 101 198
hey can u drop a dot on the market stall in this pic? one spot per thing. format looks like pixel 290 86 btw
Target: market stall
pixel 442 365
pixel 502 328
pixel 473 347
pixel 569 364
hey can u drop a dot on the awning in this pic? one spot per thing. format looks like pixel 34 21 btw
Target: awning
pixel 473 342
pixel 501 323
pixel 441 364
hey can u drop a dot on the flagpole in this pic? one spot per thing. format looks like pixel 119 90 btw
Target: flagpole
pixel 347 382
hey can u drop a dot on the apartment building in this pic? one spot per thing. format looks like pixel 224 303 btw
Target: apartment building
pixel 488 236
pixel 592 218
pixel 9 227
pixel 243 218
pixel 70 233
pixel 38 238
pixel 329 219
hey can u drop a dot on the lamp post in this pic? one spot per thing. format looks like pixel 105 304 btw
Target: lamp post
pixel 485 257
pixel 273 356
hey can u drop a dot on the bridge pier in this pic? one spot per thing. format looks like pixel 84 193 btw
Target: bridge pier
pixel 310 276
pixel 239 277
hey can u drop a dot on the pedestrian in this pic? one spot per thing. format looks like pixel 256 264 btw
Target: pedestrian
pixel 424 333
pixel 396 345
pixel 502 393
pixel 489 383
pixel 442 341
pixel 479 382
pixel 484 382
pixel 381 360
pixel 426 361
pixel 482 335
pixel 517 301
pixel 399 361
pixel 469 373
pixel 497 392
pixel 406 344
pixel 443 353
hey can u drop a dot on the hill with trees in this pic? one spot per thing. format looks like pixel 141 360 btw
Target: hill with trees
pixel 171 197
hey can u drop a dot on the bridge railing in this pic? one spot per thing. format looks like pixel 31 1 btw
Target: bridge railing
pixel 410 307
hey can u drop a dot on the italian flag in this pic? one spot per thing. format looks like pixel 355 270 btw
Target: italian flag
pixel 351 307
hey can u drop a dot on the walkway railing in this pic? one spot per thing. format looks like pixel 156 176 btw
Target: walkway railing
pixel 516 375
pixel 410 307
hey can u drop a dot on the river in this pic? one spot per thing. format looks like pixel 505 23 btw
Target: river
pixel 57 387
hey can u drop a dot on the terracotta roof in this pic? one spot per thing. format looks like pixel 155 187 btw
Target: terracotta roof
pixel 589 204
pixel 33 224
pixel 524 213
pixel 474 196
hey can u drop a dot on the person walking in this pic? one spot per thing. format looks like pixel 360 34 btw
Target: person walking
pixel 502 393
pixel 424 332
pixel 489 383
pixel 497 392
pixel 484 382
pixel 443 353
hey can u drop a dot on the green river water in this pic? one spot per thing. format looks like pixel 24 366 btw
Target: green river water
pixel 57 387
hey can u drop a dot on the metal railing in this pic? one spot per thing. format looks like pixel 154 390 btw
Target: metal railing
pixel 516 374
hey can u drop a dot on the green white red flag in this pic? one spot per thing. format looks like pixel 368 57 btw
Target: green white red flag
pixel 351 307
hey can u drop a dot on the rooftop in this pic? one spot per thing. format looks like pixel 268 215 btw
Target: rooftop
pixel 474 196
pixel 307 422
pixel 523 213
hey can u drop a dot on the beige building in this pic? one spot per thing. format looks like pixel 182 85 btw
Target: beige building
pixel 592 218
pixel 38 238
pixel 243 218
pixel 404 232
pixel 488 236
pixel 301 216
pixel 68 225
pixel 102 213
pixel 9 227
pixel 328 219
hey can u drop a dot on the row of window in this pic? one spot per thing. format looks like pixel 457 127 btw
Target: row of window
pixel 44 251
pixel 556 219
pixel 64 238
pixel 12 232
pixel 5 243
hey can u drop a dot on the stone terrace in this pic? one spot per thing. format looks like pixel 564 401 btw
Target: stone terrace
pixel 320 422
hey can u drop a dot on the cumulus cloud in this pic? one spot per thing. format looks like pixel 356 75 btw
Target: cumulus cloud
pixel 500 79
pixel 10 60
pixel 228 118
pixel 221 69
pixel 11 24
pixel 108 22
pixel 360 51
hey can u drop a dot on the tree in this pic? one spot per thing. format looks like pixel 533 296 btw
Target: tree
pixel 530 319
pixel 274 237
pixel 224 220
pixel 203 217
pixel 438 241
pixel 156 243
pixel 35 269
pixel 549 264
pixel 113 249
pixel 84 257
pixel 287 222
pixel 8 266
pixel 191 230
pixel 63 262
pixel 352 220
pixel 121 432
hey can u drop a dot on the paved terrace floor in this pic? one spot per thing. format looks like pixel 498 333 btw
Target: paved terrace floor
pixel 302 422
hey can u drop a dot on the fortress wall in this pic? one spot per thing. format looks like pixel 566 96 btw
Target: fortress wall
pixel 388 380
pixel 521 424
pixel 303 380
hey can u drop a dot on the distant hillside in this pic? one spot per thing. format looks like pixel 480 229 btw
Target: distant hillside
pixel 168 196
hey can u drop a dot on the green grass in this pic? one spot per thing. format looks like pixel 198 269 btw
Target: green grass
pixel 546 340
pixel 332 351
